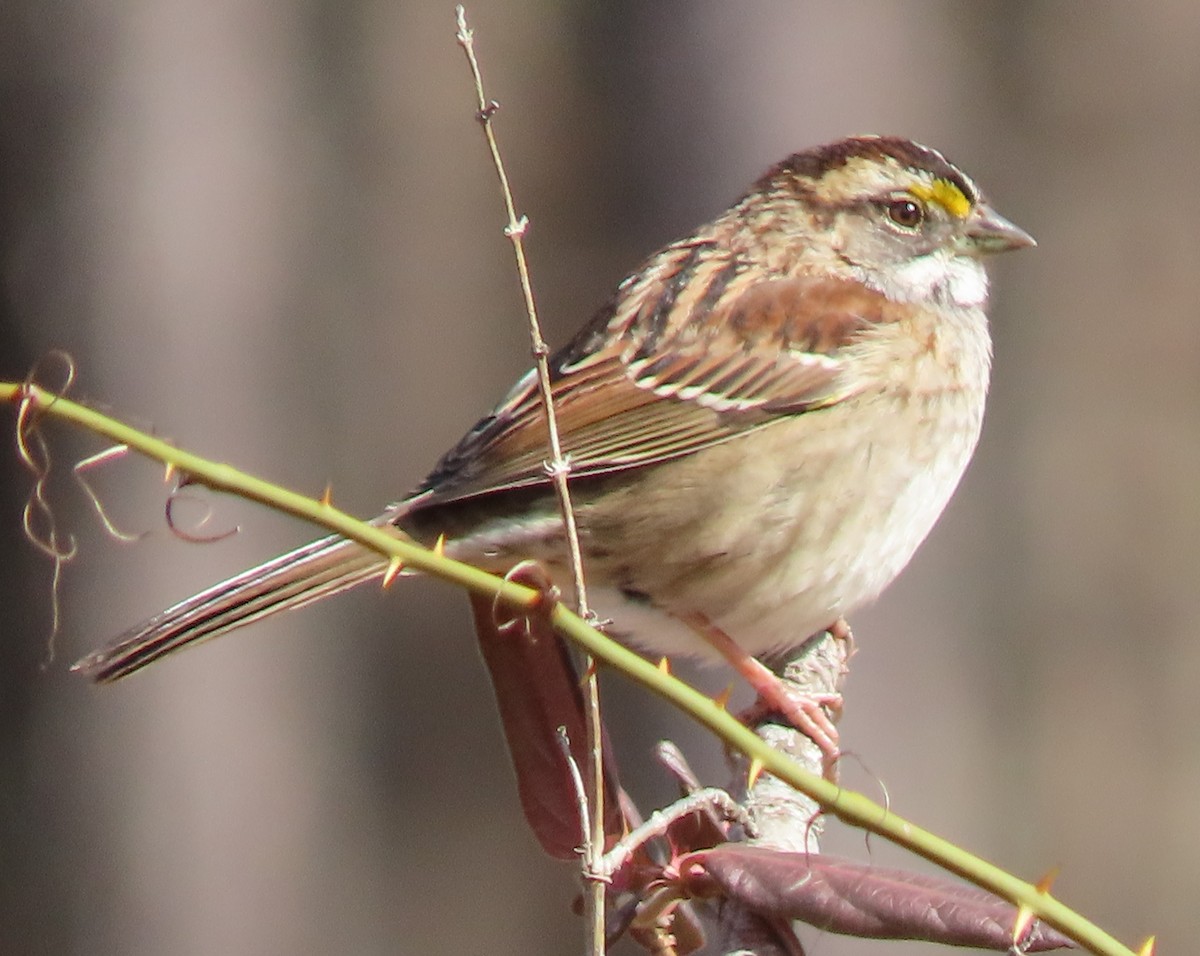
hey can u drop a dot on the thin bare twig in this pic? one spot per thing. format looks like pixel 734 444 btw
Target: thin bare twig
pixel 661 820
pixel 558 467
pixel 585 823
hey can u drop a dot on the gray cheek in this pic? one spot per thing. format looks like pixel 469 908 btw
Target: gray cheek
pixel 878 246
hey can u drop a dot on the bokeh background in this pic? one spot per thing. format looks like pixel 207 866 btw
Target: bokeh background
pixel 270 231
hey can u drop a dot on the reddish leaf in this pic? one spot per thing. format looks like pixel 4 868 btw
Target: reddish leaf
pixel 537 692
pixel 854 899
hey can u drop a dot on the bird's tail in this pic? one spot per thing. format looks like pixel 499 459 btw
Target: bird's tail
pixel 317 570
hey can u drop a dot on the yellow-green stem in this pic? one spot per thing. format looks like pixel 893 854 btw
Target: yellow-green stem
pixel 850 807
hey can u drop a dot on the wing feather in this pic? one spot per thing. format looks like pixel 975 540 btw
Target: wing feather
pixel 695 349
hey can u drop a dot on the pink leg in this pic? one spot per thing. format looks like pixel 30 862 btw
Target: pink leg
pixel 805 712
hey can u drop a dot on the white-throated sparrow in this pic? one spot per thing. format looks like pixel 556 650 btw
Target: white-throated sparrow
pixel 763 423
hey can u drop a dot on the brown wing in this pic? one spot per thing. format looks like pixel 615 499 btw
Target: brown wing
pixel 696 348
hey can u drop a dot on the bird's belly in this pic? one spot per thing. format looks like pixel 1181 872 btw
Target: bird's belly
pixel 772 536
pixel 773 542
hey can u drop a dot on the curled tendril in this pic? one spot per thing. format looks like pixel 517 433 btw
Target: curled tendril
pixel 178 494
pixel 100 458
pixel 885 797
pixel 37 519
pixel 532 575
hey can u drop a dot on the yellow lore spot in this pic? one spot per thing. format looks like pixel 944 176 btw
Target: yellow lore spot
pixel 945 194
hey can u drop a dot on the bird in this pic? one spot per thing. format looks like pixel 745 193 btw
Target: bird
pixel 763 423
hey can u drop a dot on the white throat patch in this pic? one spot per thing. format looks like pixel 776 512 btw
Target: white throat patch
pixel 958 280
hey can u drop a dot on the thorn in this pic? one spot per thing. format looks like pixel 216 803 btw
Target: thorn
pixel 1147 947
pixel 664 665
pixel 395 566
pixel 1025 918
pixel 1043 885
pixel 722 699
pixel 1025 914
pixel 169 473
pixel 589 673
pixel 439 546
pixel 756 769
pixel 327 496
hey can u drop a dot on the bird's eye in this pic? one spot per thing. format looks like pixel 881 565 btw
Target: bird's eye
pixel 906 212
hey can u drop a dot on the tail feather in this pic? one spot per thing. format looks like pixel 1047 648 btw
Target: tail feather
pixel 314 571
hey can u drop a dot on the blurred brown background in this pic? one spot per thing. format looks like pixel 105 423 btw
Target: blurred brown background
pixel 270 231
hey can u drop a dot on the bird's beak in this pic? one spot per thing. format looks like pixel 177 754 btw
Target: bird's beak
pixel 988 231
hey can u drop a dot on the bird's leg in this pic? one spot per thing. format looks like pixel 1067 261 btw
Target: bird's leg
pixel 805 712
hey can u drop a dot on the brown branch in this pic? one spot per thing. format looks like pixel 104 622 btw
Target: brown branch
pixel 784 818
